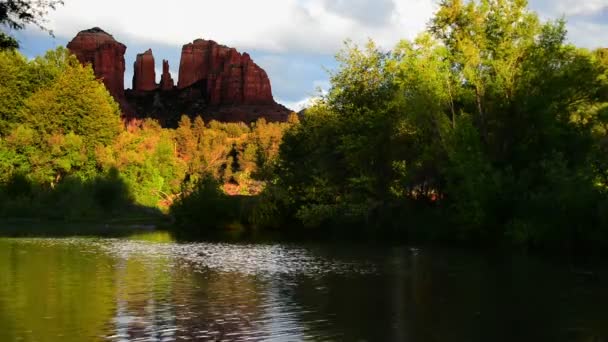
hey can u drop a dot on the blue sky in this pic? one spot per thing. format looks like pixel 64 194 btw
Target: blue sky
pixel 293 40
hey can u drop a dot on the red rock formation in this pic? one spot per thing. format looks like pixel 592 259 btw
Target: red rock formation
pixel 144 74
pixel 166 82
pixel 256 84
pixel 106 55
pixel 228 76
pixel 215 81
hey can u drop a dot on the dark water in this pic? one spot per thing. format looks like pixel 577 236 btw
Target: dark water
pixel 148 288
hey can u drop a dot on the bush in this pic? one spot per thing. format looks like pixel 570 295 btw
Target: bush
pixel 205 207
pixel 71 199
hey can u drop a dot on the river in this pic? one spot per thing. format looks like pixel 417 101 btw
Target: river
pixel 150 288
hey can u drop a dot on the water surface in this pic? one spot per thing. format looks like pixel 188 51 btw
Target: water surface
pixel 149 288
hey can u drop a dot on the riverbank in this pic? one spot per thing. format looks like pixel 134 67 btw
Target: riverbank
pixel 111 227
pixel 135 225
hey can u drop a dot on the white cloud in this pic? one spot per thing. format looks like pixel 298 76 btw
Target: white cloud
pixel 587 20
pixel 320 88
pixel 577 7
pixel 291 39
pixel 375 13
pixel 588 34
pixel 317 26
pixel 296 106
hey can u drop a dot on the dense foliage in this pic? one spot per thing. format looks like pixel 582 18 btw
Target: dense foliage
pixel 487 127
pixel 61 138
pixel 16 14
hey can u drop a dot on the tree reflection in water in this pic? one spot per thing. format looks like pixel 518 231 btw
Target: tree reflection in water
pixel 151 288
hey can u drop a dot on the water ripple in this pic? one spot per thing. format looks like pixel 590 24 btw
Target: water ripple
pixel 262 260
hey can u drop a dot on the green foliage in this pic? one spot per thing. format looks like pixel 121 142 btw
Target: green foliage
pixel 145 156
pixel 259 154
pixel 61 128
pixel 490 120
pixel 75 102
pixel 470 182
pixel 111 191
pixel 72 199
pixel 47 159
pixel 22 78
pixel 16 14
pixel 55 94
pixel 269 210
pixel 204 207
pixel 7 42
pixel 53 115
pixel 14 88
pixel 488 127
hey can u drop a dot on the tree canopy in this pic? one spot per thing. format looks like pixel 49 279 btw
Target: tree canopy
pixel 488 127
pixel 17 14
pixel 489 121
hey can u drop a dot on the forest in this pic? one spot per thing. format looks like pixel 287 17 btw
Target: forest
pixel 488 128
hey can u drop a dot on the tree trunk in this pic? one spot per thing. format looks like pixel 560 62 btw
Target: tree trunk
pixel 482 119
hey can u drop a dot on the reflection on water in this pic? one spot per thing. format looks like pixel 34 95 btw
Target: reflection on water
pixel 148 288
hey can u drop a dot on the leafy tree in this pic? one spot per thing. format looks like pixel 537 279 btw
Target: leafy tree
pixel 488 119
pixel 205 207
pixel 22 78
pixel 74 102
pixel 14 88
pixel 261 151
pixel 147 160
pixel 16 14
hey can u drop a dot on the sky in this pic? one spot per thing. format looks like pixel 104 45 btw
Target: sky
pixel 295 41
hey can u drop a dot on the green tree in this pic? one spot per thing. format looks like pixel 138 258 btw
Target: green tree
pixel 14 88
pixel 16 14
pixel 74 102
pixel 488 120
pixel 146 157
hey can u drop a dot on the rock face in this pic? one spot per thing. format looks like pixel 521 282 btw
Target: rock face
pixel 144 75
pixel 166 82
pixel 224 75
pixel 106 55
pixel 215 81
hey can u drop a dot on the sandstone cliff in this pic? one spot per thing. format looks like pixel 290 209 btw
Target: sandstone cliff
pixel 227 77
pixel 166 81
pixel 144 75
pixel 106 56
pixel 215 81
